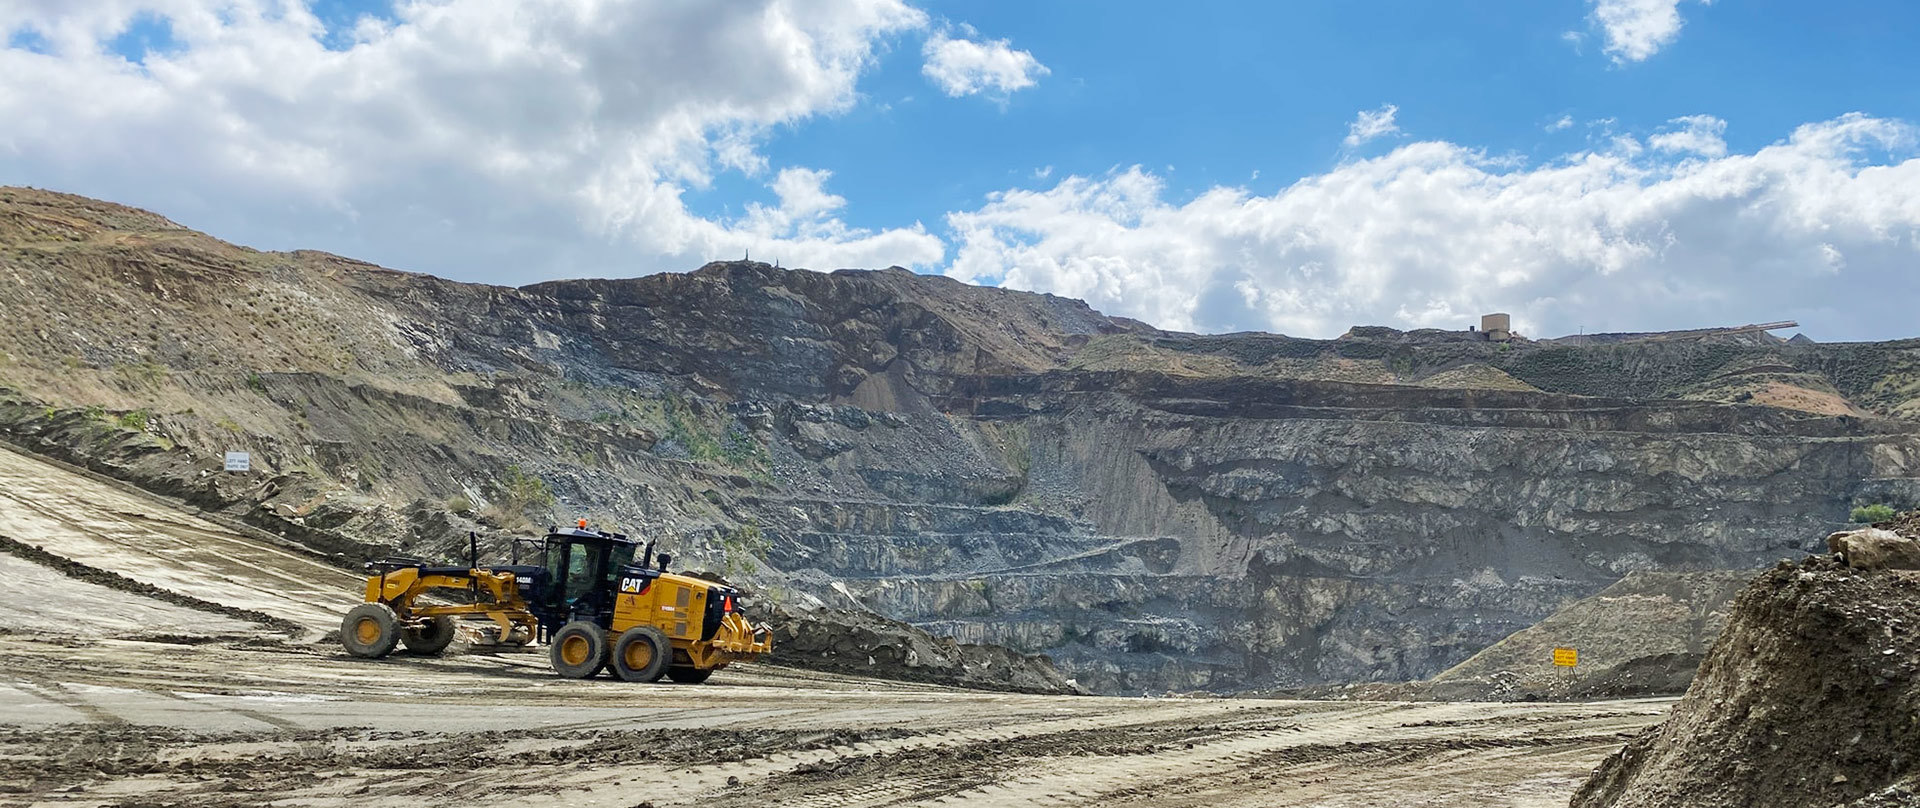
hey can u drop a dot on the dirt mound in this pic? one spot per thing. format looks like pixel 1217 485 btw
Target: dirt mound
pixel 1640 677
pixel 1811 697
pixel 866 644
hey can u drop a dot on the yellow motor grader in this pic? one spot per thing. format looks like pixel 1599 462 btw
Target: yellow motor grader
pixel 599 601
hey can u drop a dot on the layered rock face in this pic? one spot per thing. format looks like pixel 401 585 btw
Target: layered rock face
pixel 1236 535
pixel 1154 510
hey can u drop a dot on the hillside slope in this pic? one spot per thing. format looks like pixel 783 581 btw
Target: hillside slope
pixel 1642 636
pixel 1154 510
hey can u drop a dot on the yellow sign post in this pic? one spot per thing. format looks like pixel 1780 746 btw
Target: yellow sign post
pixel 1566 657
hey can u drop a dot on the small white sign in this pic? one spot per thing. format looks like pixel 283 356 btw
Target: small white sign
pixel 239 461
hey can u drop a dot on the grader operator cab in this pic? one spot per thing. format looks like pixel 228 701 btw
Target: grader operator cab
pixel 598 600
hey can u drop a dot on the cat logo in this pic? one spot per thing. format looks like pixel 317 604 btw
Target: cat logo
pixel 634 586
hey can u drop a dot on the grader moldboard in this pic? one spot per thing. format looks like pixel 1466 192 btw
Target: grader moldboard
pixel 590 600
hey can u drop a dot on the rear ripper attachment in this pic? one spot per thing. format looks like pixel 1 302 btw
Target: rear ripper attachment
pixel 594 604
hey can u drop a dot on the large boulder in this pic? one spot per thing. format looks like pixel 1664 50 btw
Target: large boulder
pixel 1875 549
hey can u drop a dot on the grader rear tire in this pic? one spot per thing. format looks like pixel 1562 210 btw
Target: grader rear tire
pixel 689 675
pixel 579 650
pixel 370 631
pixel 642 655
pixel 431 640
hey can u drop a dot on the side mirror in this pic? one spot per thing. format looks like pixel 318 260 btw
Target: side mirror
pixel 665 559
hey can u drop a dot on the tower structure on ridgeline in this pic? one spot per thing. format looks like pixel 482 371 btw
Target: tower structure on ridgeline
pixel 1497 327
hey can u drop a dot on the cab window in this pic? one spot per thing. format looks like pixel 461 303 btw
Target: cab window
pixel 619 556
pixel 556 563
pixel 580 578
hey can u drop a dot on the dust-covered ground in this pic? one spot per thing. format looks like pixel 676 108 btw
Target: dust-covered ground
pixel 113 693
pixel 121 722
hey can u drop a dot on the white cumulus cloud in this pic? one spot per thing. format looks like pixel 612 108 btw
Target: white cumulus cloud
pixel 1370 124
pixel 1637 29
pixel 1696 134
pixel 1434 234
pixel 960 66
pixel 514 140
pixel 484 139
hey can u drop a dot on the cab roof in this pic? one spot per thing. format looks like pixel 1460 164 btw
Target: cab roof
pixel 583 533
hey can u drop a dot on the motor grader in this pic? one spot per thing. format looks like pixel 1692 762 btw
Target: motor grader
pixel 598 601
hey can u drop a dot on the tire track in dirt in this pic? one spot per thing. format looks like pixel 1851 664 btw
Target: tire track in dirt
pixel 51 690
pixel 1073 766
pixel 94 523
pixel 112 580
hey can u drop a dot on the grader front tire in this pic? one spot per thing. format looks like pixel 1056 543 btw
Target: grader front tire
pixel 370 631
pixel 431 640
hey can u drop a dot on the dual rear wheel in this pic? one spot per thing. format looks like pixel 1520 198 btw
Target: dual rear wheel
pixel 641 654
pixel 578 650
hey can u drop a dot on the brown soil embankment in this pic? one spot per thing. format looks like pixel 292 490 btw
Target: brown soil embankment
pixel 1811 697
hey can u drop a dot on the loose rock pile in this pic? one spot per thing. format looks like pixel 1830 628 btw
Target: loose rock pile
pixel 1906 524
pixel 849 641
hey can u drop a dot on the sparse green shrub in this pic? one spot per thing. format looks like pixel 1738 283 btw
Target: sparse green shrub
pixel 136 420
pixel 703 440
pixel 228 425
pixel 520 491
pixel 740 450
pixel 256 384
pixel 745 548
pixel 95 412
pixel 142 374
pixel 1869 514
pixel 460 505
pixel 685 429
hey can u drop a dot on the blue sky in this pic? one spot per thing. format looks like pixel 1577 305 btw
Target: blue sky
pixel 1221 90
pixel 1585 164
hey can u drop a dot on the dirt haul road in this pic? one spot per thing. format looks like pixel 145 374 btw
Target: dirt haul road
pixel 112 697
